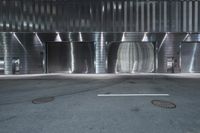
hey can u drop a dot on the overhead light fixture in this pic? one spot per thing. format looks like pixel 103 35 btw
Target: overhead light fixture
pixel 145 38
pixel 80 37
pixel 58 38
pixel 123 37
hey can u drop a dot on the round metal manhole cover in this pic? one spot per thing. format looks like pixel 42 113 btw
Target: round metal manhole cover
pixel 163 104
pixel 42 100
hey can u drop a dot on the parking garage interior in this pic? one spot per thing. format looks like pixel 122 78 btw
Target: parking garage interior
pixel 99 66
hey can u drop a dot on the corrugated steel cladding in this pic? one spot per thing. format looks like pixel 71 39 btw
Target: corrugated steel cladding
pixel 100 15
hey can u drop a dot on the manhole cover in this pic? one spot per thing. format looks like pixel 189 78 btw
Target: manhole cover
pixel 163 104
pixel 42 100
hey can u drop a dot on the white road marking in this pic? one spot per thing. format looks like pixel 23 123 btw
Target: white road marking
pixel 129 95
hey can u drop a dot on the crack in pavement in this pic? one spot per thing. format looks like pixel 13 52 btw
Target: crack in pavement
pixel 7 119
pixel 76 92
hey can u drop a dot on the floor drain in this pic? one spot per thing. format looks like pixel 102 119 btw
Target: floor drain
pixel 42 100
pixel 163 104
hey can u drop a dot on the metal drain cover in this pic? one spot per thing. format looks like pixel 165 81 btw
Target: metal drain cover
pixel 42 100
pixel 163 104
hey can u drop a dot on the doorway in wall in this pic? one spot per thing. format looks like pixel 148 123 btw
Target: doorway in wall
pixel 190 57
pixel 70 57
pixel 131 57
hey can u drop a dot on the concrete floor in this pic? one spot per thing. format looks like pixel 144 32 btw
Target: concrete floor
pixel 78 109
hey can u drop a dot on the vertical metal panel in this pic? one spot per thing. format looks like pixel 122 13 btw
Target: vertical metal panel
pixel 196 16
pixel 1 15
pixel 131 21
pixel 177 8
pixel 7 52
pixel 137 16
pixel 160 16
pixel 125 16
pixel 154 17
pixel 148 16
pixel 165 16
pixel 100 48
pixel 142 16
pixel 99 15
pixel 184 16
pixel 190 15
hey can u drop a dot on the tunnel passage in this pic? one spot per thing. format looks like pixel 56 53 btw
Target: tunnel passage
pixel 130 57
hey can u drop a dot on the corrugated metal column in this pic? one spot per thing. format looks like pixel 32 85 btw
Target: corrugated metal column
pixel 100 57
pixel 196 16
pixel 184 16
pixel 125 16
pixel 165 16
pixel 148 16
pixel 154 17
pixel 137 17
pixel 190 16
pixel 7 53
pixel 160 16
pixel 142 16
pixel 113 16
pixel 1 15
pixel 131 24
pixel 177 15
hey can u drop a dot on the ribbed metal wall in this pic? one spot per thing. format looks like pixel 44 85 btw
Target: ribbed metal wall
pixel 25 47
pixel 100 15
pixel 111 52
